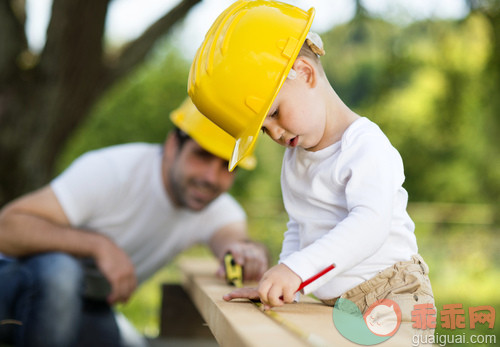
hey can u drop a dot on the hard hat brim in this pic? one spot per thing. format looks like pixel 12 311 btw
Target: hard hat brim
pixel 208 135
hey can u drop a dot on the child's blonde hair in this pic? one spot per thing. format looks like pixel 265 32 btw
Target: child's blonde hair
pixel 313 49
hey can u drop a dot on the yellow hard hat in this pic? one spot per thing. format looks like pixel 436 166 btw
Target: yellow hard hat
pixel 242 64
pixel 208 135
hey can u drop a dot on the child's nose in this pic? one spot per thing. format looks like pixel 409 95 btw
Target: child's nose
pixel 275 131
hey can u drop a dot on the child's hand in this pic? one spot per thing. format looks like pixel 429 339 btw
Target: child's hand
pixel 242 293
pixel 278 286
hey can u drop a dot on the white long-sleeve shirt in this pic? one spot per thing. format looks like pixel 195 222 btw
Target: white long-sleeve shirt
pixel 347 207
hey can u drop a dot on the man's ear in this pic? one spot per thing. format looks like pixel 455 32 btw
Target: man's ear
pixel 306 70
pixel 171 145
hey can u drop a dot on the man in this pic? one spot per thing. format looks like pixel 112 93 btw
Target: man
pixel 124 211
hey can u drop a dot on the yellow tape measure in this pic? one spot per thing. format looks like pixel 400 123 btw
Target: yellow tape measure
pixel 234 271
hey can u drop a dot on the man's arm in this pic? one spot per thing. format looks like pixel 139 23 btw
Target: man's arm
pixel 253 256
pixel 36 223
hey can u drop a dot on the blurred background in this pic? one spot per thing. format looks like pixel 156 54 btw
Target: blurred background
pixel 76 76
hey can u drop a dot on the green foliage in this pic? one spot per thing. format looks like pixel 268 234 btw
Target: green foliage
pixel 426 90
pixel 136 110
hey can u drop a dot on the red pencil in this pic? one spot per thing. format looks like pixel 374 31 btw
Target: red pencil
pixel 315 277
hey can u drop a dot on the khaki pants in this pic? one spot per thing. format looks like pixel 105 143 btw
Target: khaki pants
pixel 406 283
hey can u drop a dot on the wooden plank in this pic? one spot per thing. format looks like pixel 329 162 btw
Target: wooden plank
pixel 241 323
pixel 179 317
pixel 233 324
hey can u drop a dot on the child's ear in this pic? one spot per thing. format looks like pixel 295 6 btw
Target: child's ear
pixel 306 70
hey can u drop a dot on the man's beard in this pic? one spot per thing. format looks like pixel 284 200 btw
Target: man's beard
pixel 179 192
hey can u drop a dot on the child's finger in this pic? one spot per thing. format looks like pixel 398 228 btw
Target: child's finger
pixel 242 293
pixel 288 296
pixel 263 291
pixel 274 296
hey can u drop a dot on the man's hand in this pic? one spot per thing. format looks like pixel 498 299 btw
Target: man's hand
pixel 118 269
pixel 251 255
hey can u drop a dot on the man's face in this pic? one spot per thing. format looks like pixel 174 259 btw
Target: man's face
pixel 194 177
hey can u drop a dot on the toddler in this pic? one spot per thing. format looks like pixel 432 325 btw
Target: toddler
pixel 259 69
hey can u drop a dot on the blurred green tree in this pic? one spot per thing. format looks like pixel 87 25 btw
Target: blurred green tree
pixel 490 11
pixel 135 110
pixel 43 98
pixel 429 85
